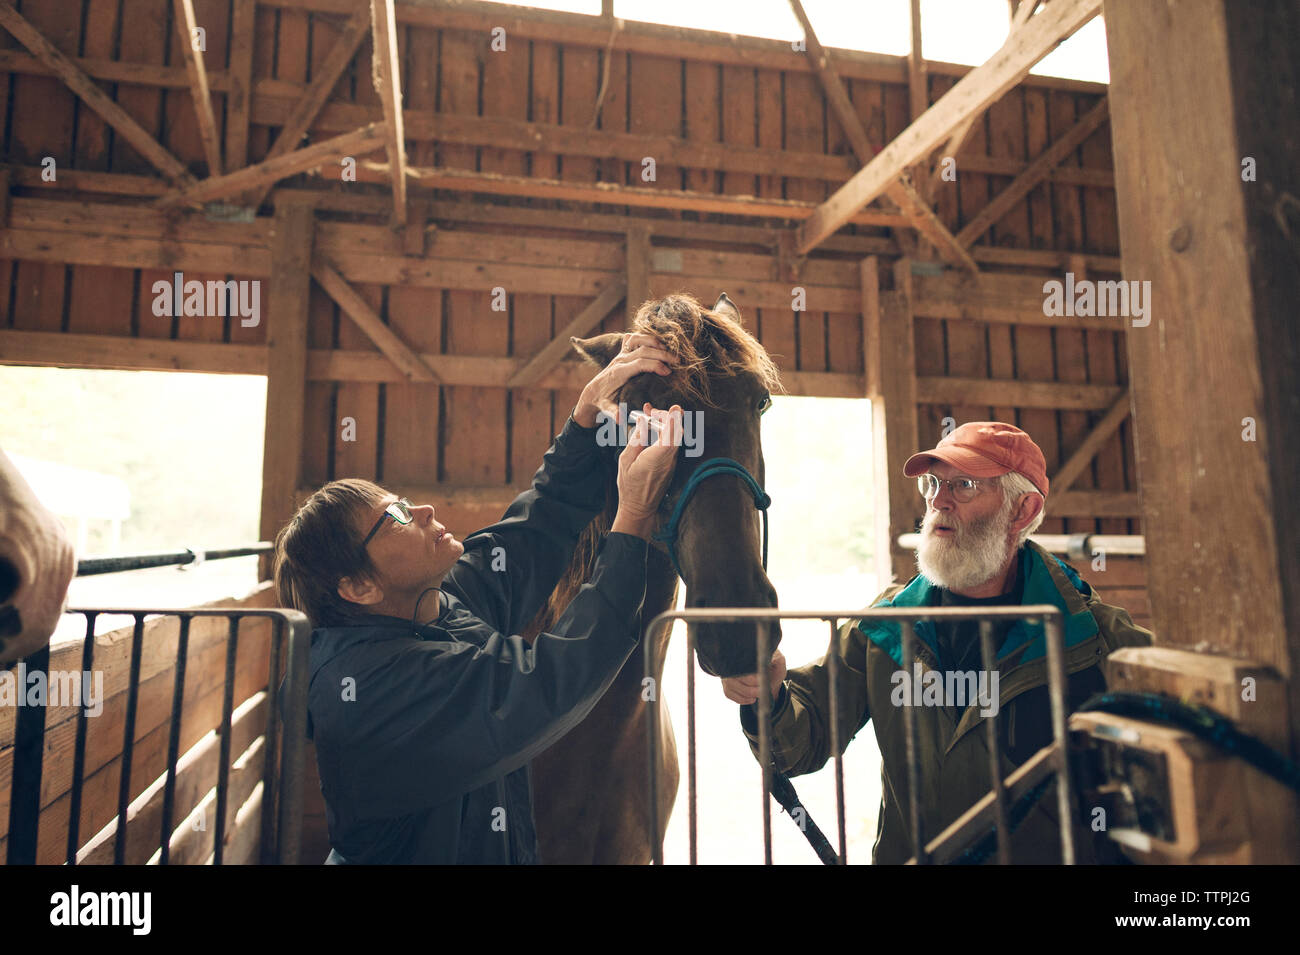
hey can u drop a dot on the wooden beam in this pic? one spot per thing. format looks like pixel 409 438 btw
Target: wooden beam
pixel 308 106
pixel 1204 125
pixel 243 20
pixel 92 95
pixel 359 142
pixel 187 23
pixel 901 190
pixel 1088 448
pixel 536 368
pixel 1034 173
pixel 1016 393
pixel 973 92
pixel 1095 504
pixel 388 84
pixel 997 297
pixel 273 100
pixel 286 366
pixel 637 257
pixel 357 309
pixel 609 193
pixel 917 80
pixel 891 352
pixel 57 350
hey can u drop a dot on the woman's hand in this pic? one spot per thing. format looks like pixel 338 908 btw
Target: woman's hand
pixel 644 472
pixel 641 353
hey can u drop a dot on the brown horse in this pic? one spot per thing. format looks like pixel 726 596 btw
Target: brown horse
pixel 590 788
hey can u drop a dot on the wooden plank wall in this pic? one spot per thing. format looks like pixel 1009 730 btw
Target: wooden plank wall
pixel 465 435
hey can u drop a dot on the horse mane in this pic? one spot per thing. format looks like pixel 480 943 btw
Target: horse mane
pixel 707 345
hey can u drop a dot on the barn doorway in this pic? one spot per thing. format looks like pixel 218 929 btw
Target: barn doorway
pixel 137 462
pixel 817 453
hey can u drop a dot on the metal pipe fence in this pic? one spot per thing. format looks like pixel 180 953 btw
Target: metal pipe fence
pixel 1049 761
pixel 285 732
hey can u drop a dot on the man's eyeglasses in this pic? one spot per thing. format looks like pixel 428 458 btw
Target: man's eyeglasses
pixel 963 489
pixel 399 510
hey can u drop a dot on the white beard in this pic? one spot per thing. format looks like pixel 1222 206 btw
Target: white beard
pixel 972 557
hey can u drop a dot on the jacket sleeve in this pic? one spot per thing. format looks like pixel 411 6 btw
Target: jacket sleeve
pixel 442 718
pixel 509 568
pixel 801 739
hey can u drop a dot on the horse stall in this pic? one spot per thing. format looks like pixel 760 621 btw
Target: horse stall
pixel 400 212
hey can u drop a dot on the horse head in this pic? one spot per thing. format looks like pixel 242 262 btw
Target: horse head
pixel 723 381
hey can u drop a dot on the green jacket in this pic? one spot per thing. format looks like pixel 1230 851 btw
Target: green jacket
pixel 953 752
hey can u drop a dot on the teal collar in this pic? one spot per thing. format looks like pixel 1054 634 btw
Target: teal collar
pixel 1023 639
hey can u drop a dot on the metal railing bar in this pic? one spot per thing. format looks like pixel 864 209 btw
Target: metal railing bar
pixel 765 736
pixel 652 750
pixel 79 752
pixel 174 740
pixel 269 850
pixel 1056 689
pixel 223 771
pixel 913 749
pixel 989 654
pixel 128 741
pixel 690 745
pixel 833 673
pixel 28 766
pixel 91 566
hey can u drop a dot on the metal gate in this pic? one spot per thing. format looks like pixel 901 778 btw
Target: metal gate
pixel 1051 761
pixel 281 817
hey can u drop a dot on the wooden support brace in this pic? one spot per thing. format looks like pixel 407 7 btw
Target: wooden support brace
pixel 359 142
pixel 365 317
pixel 537 367
pixel 92 95
pixel 323 82
pixel 188 25
pixel 1034 173
pixel 1090 445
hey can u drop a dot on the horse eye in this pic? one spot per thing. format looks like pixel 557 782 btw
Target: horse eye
pixel 765 403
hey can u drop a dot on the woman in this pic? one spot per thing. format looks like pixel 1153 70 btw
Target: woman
pixel 425 706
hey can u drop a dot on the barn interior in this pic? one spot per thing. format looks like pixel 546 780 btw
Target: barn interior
pixel 427 198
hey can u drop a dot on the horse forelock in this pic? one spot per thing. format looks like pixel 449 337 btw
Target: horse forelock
pixel 707 345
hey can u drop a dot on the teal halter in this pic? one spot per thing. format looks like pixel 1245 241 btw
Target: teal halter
pixel 710 468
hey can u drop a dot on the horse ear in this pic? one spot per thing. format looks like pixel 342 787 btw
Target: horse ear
pixel 725 306
pixel 599 350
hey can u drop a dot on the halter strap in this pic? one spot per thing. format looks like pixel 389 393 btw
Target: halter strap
pixel 667 535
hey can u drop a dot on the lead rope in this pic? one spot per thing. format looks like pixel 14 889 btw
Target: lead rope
pixel 782 789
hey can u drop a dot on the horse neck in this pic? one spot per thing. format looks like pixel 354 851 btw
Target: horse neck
pixel 661 583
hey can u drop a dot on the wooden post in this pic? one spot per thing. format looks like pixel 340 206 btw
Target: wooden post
pixel 286 367
pixel 638 269
pixel 1206 127
pixel 890 364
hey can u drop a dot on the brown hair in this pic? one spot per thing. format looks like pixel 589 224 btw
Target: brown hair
pixel 320 546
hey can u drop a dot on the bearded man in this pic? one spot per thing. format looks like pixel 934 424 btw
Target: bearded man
pixel 985 487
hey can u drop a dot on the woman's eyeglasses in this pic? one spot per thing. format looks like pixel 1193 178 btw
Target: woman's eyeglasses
pixel 399 510
pixel 963 489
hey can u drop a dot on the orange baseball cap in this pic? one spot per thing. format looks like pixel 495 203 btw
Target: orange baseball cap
pixel 986 449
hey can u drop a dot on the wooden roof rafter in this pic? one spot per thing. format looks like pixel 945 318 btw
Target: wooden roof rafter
pixel 388 85
pixel 910 202
pixel 975 91
pixel 188 25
